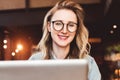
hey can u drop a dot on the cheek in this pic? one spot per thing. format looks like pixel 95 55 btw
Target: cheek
pixel 73 35
pixel 53 33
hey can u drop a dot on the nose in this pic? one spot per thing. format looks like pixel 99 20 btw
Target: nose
pixel 64 30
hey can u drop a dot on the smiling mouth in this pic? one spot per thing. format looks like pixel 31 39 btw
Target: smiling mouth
pixel 61 37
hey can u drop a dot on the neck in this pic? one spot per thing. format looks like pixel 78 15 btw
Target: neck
pixel 60 52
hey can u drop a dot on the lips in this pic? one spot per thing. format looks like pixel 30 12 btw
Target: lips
pixel 62 37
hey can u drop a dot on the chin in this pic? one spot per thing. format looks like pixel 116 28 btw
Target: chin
pixel 62 45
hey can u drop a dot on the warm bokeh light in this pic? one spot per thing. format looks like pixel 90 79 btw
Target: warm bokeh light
pixel 112 57
pixel 111 31
pixel 5 41
pixel 16 50
pixel 20 47
pixel 95 40
pixel 13 53
pixel 117 72
pixel 114 26
pixel 5 46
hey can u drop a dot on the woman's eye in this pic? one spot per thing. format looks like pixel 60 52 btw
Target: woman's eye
pixel 58 23
pixel 71 25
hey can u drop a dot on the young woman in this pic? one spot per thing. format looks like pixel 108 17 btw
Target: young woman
pixel 66 37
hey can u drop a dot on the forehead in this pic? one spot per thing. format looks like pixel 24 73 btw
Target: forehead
pixel 64 15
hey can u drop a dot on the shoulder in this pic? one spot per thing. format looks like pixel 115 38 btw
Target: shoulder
pixel 94 73
pixel 37 56
pixel 90 59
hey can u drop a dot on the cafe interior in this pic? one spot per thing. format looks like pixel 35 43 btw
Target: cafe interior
pixel 21 30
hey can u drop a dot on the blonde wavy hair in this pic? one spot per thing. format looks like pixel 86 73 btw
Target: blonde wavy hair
pixel 80 46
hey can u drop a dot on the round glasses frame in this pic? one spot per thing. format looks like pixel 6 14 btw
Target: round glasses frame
pixel 59 25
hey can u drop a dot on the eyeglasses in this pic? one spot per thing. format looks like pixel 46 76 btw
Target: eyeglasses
pixel 58 26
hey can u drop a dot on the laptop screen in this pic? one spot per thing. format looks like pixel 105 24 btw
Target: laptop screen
pixel 74 69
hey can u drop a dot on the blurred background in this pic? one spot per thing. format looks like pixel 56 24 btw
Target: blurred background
pixel 21 29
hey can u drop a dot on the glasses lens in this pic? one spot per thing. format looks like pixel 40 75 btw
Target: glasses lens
pixel 72 27
pixel 57 25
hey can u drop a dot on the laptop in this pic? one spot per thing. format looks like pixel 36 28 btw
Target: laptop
pixel 74 69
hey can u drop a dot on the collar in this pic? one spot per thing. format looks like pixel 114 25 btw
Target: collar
pixel 52 56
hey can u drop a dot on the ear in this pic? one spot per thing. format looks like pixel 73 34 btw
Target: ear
pixel 49 26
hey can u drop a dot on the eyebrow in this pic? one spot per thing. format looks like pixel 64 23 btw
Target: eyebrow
pixel 68 21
